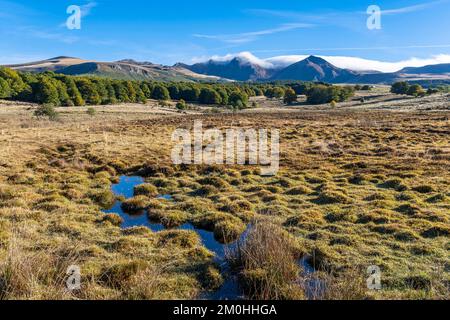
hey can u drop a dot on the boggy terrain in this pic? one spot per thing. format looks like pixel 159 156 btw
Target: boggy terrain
pixel 356 188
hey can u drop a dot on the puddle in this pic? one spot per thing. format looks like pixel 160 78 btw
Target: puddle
pixel 230 289
pixel 313 287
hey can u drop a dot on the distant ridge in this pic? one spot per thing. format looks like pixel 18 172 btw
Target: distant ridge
pixel 312 68
pixel 236 69
pixel 315 69
pixel 127 69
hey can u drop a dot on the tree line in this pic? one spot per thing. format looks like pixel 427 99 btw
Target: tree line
pixel 416 90
pixel 63 90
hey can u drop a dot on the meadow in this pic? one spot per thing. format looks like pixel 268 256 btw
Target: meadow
pixel 360 184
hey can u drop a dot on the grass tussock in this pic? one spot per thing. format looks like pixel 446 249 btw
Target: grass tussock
pixel 267 263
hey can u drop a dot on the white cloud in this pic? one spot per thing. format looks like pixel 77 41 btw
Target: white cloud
pixel 413 8
pixel 353 63
pixel 251 36
pixel 245 57
pixel 87 8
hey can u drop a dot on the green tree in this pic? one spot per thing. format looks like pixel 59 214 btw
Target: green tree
pixel 121 91
pixel 190 94
pixel 73 92
pixel 344 93
pixel 88 91
pixel 63 96
pixel 209 96
pixel 46 92
pixel 400 87
pixel 5 90
pixel 140 96
pixel 160 93
pixel 131 91
pixel 174 92
pixel 14 80
pixel 278 92
pixel 181 105
pixel 223 96
pixel 320 94
pixel 290 96
pixel 112 99
pixel 146 90
pixel 416 90
pixel 238 99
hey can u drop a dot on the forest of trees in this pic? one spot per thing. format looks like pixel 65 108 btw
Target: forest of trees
pixel 62 90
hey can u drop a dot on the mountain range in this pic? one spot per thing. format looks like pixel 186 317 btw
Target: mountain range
pixel 123 69
pixel 236 69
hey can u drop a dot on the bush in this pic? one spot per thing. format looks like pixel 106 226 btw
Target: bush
pixel 238 100
pixel 431 91
pixel 46 111
pixel 400 87
pixel 5 90
pixel 321 94
pixel 160 93
pixel 415 90
pixel 181 105
pixel 163 103
pixel 209 96
pixel 290 96
pixel 91 111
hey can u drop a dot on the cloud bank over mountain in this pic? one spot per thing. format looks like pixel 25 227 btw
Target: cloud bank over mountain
pixel 352 63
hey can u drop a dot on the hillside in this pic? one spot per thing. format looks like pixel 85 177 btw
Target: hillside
pixel 315 69
pixel 124 69
pixel 236 69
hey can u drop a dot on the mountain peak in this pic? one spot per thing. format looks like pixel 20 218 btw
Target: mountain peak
pixel 314 69
pixel 62 57
pixel 316 59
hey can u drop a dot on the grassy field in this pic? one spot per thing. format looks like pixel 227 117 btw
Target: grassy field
pixel 366 183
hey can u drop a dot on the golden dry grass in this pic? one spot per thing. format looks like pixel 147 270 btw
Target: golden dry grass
pixel 356 188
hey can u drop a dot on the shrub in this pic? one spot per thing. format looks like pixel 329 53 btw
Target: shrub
pixel 209 96
pixel 160 93
pixel 5 90
pixel 238 100
pixel 46 111
pixel 290 96
pixel 415 90
pixel 163 103
pixel 91 111
pixel 320 94
pixel 400 87
pixel 181 105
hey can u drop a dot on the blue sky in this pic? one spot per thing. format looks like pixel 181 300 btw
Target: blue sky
pixel 171 31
